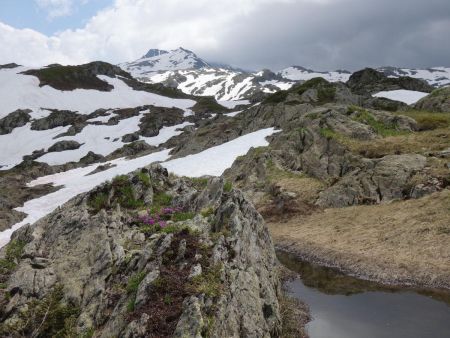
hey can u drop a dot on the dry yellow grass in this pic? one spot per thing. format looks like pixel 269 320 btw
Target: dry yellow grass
pixel 417 142
pixel 406 242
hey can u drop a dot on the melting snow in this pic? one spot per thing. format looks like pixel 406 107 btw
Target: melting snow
pixel 101 139
pixel 28 94
pixel 213 161
pixel 298 73
pixel 402 95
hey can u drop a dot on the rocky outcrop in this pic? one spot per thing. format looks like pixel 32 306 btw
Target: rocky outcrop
pixel 438 101
pixel 57 118
pixel 9 66
pixel 13 120
pixel 369 81
pixel 200 263
pixel 64 145
pixel 152 122
pixel 378 181
pixel 77 77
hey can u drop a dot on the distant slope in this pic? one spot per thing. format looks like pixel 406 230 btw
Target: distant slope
pixel 183 69
pixel 436 76
pixel 297 73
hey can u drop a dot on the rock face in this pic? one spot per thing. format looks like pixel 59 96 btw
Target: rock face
pixel 16 119
pixel 58 118
pixel 64 145
pixel 200 264
pixel 437 101
pixel 370 81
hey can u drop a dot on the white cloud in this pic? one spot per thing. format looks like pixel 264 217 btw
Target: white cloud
pixel 126 29
pixel 247 33
pixel 56 8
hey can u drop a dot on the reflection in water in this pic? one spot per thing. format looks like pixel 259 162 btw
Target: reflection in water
pixel 347 307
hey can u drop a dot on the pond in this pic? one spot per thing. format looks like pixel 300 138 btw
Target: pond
pixel 347 307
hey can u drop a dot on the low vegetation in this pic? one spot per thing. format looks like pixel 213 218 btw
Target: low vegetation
pixel 75 77
pixel 364 116
pixel 326 91
pixel 51 316
pixel 428 120
pixel 208 104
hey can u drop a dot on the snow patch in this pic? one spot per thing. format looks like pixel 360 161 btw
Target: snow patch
pixel 18 91
pixel 402 95
pixel 213 161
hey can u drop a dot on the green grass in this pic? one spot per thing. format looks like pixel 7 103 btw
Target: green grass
pixel 207 212
pixel 328 133
pixel 70 77
pixel 132 288
pixel 144 178
pixel 98 201
pixel 209 282
pixel 208 104
pixel 199 182
pixel 428 120
pixel 14 251
pixel 182 216
pixel 326 92
pixel 162 199
pixel 364 116
pixel 134 281
pixel 124 193
pixel 228 186
pixel 50 316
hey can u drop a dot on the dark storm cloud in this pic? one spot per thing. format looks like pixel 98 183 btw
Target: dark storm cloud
pixel 347 34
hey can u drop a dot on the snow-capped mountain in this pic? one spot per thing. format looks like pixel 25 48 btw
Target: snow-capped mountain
pixel 183 69
pixel 157 60
pixel 436 76
pixel 297 73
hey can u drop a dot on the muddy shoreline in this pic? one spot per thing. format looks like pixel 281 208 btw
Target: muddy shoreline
pixel 359 269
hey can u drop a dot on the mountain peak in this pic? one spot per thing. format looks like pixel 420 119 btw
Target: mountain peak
pixel 157 60
pixel 154 52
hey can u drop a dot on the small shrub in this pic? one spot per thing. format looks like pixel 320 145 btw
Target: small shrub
pixel 162 199
pixel 228 186
pixel 182 216
pixel 50 316
pixel 144 178
pixel 277 97
pixel 207 212
pixel 170 229
pixel 428 120
pixel 364 116
pixel 132 287
pixel 98 201
pixel 14 251
pixel 199 182
pixel 168 299
pixel 209 282
pixel 327 133
pixel 134 281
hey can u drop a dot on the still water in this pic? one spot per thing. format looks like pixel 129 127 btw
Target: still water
pixel 347 307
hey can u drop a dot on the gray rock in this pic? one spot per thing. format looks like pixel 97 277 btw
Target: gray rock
pixel 437 101
pixel 145 287
pixel 64 145
pixel 13 120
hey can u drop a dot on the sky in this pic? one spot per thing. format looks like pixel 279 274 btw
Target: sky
pixel 251 34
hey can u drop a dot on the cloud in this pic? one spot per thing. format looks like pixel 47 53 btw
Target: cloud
pixel 253 34
pixel 56 8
